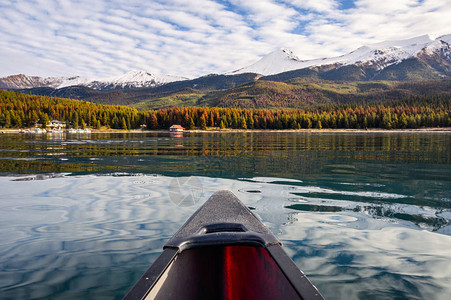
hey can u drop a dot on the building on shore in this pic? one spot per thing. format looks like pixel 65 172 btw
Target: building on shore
pixel 176 128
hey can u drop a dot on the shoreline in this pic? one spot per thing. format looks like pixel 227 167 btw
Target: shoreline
pixel 328 130
pixel 214 130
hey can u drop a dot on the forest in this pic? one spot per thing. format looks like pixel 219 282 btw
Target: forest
pixel 18 110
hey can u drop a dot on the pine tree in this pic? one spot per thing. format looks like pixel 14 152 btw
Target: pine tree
pixel 251 122
pixel 7 120
pixel 154 121
pixel 44 120
pixel 34 118
pixel 243 124
pixel 191 123
pixel 319 125
pixel 202 123
pixel 75 120
pixel 123 124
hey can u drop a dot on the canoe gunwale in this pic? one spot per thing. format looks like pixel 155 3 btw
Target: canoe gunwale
pixel 148 280
pixel 297 278
pixel 223 221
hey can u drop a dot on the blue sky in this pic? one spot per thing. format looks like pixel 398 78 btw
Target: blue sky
pixel 192 38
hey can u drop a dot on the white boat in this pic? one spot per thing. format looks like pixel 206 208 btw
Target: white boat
pixel 38 131
pixel 79 131
pixel 72 130
pixel 55 131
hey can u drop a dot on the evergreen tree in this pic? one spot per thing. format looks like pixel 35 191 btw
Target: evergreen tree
pixel 191 123
pixel 123 124
pixel 403 121
pixel 44 120
pixel 202 123
pixel 7 120
pixel 234 120
pixel 251 122
pixel 75 120
pixel 154 122
pixel 34 118
pixel 386 121
pixel 319 125
pixel 93 120
pixel 243 124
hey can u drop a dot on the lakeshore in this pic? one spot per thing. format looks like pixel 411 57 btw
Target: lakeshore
pixel 216 130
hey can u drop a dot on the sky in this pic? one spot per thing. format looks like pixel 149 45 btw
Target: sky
pixel 192 38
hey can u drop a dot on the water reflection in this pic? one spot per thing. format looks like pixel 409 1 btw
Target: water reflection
pixel 364 215
pixel 93 236
pixel 234 155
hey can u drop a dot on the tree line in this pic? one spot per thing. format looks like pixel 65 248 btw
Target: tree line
pixel 20 110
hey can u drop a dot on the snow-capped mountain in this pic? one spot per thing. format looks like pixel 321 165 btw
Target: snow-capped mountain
pixel 22 81
pixel 278 61
pixel 420 58
pixel 132 79
pixel 377 56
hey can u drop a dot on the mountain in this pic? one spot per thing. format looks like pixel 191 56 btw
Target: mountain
pixel 178 90
pixel 279 79
pixel 431 55
pixel 420 58
pixel 131 79
pixel 22 81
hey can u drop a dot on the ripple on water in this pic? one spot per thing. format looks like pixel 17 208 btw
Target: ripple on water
pixel 97 234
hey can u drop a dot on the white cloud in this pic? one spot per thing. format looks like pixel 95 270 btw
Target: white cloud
pixel 197 37
pixel 315 5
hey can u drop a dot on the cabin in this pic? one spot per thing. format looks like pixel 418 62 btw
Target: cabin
pixel 57 125
pixel 176 128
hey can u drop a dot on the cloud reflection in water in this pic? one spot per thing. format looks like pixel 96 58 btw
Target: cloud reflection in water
pixel 75 237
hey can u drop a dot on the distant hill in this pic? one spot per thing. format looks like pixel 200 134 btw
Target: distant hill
pixel 297 92
pixel 198 86
pixel 307 93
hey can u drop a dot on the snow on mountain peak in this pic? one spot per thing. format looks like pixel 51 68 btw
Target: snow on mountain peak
pixel 137 78
pixel 445 38
pixel 288 53
pixel 274 62
pixel 378 55
pixel 131 79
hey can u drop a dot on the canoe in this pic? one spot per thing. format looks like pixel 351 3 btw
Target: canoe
pixel 223 251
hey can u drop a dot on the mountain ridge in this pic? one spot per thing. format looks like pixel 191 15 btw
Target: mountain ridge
pixel 377 56
pixel 131 79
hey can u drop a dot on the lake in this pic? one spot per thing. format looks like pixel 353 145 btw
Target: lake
pixel 363 214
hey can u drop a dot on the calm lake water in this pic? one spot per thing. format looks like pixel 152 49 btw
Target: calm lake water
pixel 364 215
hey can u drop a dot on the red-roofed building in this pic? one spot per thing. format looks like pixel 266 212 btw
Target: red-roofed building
pixel 176 128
